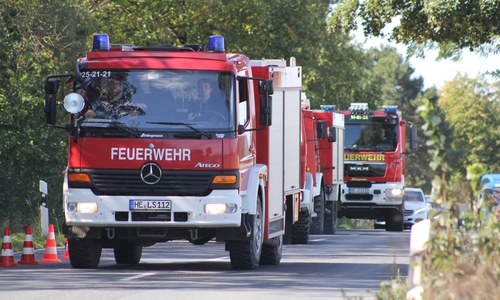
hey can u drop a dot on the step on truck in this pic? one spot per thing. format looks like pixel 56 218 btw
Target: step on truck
pixel 150 162
pixel 375 164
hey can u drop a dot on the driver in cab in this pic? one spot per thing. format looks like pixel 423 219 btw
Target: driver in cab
pixel 207 107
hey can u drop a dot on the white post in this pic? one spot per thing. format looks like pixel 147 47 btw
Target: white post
pixel 420 235
pixel 44 209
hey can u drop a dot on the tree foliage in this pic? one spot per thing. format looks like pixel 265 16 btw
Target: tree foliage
pixel 37 38
pixel 472 108
pixel 448 24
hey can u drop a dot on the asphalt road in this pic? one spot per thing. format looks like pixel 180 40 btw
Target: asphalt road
pixel 348 265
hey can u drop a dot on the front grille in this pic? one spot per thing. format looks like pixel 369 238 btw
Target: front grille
pixel 364 169
pixel 123 216
pixel 130 183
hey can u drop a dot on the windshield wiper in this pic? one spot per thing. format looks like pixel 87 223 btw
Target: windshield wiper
pixel 207 135
pixel 97 123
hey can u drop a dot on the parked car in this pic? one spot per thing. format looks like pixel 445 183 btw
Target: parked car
pixel 416 208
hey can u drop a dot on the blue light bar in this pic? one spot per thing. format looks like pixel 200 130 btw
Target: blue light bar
pixel 101 42
pixel 390 109
pixel 216 43
pixel 328 107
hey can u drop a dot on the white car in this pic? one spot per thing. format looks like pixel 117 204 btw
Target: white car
pixel 416 208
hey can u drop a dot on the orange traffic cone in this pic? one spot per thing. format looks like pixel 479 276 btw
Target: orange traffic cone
pixel 66 255
pixel 28 256
pixel 7 259
pixel 50 254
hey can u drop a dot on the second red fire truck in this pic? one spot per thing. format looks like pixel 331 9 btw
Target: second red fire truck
pixel 375 164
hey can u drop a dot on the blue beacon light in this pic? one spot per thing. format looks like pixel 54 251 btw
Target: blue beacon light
pixel 390 109
pixel 101 42
pixel 216 43
pixel 328 107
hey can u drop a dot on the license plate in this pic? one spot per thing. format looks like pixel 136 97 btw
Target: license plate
pixel 154 205
pixel 359 191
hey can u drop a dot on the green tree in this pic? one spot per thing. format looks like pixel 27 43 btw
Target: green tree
pixel 472 108
pixel 38 38
pixel 445 24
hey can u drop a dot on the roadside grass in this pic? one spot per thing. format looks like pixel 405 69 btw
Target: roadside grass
pixel 38 241
pixel 345 223
pixel 394 289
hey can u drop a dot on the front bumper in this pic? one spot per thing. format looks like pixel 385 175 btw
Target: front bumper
pixel 185 212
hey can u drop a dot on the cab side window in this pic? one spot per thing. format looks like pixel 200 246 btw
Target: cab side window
pixel 243 101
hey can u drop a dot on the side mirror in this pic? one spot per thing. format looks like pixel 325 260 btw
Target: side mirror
pixel 413 138
pixel 51 88
pixel 266 87
pixel 50 109
pixel 241 129
pixel 321 130
pixel 266 104
pixel 332 134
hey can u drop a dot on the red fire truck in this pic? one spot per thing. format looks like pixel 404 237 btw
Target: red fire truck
pixel 330 164
pixel 151 161
pixel 375 164
pixel 322 164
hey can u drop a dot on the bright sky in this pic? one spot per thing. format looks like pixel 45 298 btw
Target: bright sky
pixel 436 73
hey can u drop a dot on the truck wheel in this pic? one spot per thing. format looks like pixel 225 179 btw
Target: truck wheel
pixel 127 253
pixel 330 225
pixel 245 255
pixel 271 253
pixel 300 230
pixel 84 253
pixel 319 208
pixel 394 221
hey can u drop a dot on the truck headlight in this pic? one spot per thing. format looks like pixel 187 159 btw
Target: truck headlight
pixel 83 207
pixel 394 194
pixel 220 208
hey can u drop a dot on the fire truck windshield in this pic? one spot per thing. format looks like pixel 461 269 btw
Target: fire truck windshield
pixel 141 99
pixel 370 137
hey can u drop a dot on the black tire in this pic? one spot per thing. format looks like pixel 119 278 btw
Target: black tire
pixel 245 255
pixel 317 222
pixel 271 254
pixel 84 253
pixel 127 253
pixel 300 230
pixel 394 221
pixel 330 225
